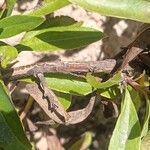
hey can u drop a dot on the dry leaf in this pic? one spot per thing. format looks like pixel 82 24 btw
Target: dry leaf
pixel 137 46
pixel 75 116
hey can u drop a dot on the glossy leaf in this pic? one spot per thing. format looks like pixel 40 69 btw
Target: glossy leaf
pixel 147 116
pixel 11 132
pixel 110 93
pixel 10 5
pixel 58 21
pixel 49 6
pixel 135 96
pixel 1 12
pixel 57 38
pixel 65 99
pixel 137 102
pixel 126 135
pixel 116 79
pixel 66 83
pixel 13 25
pixel 145 144
pixel 7 54
pixel 129 9
pixel 82 143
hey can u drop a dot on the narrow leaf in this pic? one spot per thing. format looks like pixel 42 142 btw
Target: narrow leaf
pixel 135 95
pixel 1 12
pixel 58 21
pixel 147 117
pixel 58 38
pixel 16 24
pixel 116 79
pixel 11 132
pixel 49 6
pixel 110 93
pixel 133 9
pixel 83 143
pixel 126 134
pixel 9 6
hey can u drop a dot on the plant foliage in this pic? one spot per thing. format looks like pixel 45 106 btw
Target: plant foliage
pixel 64 33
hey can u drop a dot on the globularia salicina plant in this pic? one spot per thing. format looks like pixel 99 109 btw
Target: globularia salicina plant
pixel 123 80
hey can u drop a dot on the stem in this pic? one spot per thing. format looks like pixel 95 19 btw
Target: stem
pixel 107 66
pixel 27 108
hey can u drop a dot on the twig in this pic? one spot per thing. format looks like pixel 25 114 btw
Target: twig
pixel 27 108
pixel 61 67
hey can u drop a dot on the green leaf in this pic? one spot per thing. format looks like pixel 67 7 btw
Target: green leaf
pixel 147 116
pixel 12 135
pixel 145 145
pixel 82 143
pixel 65 99
pixel 116 79
pixel 126 135
pixel 110 93
pixel 9 6
pixel 129 9
pixel 137 102
pixel 66 83
pixel 135 96
pixel 57 38
pixel 49 6
pixel 58 21
pixel 10 3
pixel 1 12
pixel 16 24
pixel 7 54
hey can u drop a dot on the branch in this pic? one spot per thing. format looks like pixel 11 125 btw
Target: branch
pixel 107 66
